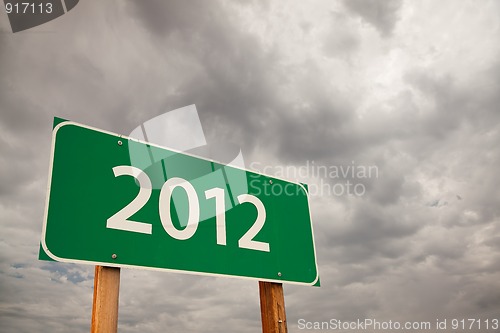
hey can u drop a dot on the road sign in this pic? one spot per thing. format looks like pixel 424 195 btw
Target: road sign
pixel 117 201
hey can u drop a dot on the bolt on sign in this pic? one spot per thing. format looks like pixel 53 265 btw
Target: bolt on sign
pixel 177 212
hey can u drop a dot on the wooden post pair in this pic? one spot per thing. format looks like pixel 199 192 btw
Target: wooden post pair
pixel 106 294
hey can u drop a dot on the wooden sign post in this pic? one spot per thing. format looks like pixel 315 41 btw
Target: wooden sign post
pixel 272 307
pixel 105 305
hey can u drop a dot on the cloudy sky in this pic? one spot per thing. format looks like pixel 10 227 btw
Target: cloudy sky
pixel 409 87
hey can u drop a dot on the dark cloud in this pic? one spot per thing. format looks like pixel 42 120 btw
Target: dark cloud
pixel 383 15
pixel 374 230
pixel 227 75
pixel 164 18
pixel 342 41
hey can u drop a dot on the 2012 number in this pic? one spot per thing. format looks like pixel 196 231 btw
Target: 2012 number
pixel 120 220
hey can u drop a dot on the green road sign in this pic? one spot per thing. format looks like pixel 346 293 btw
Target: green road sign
pixel 117 201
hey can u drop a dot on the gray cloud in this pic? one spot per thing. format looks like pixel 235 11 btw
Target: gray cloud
pixel 342 40
pixel 383 15
pixel 227 72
